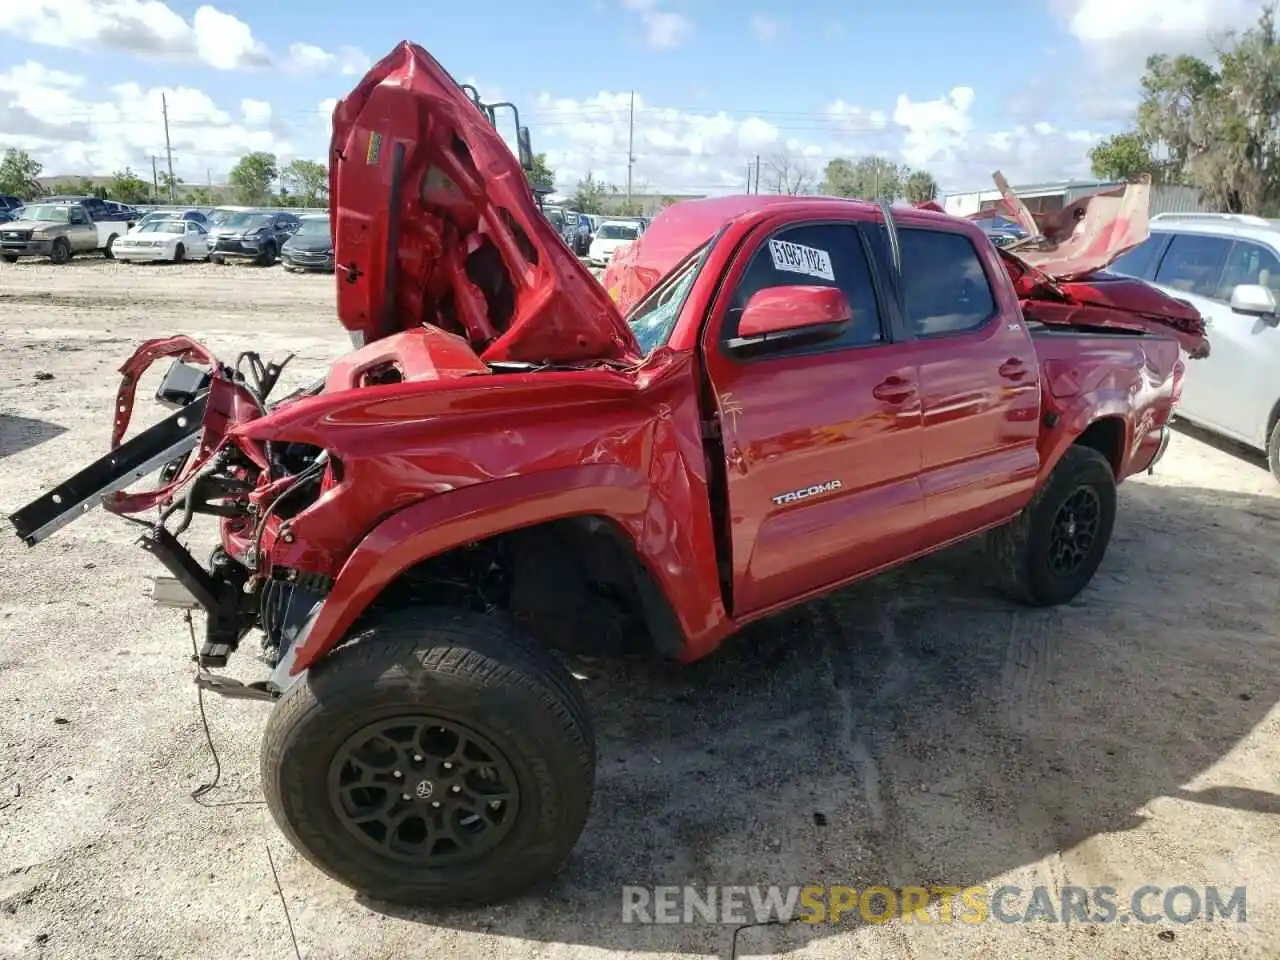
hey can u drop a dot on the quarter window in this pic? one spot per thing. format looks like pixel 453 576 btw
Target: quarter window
pixel 1194 264
pixel 946 290
pixel 814 248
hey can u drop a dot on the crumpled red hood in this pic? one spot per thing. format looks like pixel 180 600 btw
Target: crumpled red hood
pixel 434 222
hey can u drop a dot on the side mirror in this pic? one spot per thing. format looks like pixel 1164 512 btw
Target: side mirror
pixel 787 315
pixel 526 148
pixel 1255 300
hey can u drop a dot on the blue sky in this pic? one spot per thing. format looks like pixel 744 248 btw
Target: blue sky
pixel 960 90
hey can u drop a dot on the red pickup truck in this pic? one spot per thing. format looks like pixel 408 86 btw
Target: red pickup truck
pixel 507 466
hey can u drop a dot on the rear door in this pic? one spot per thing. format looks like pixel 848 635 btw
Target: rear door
pixel 821 441
pixel 1192 268
pixel 979 383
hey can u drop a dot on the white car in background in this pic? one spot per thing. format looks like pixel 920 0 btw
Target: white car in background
pixel 611 235
pixel 1227 266
pixel 171 239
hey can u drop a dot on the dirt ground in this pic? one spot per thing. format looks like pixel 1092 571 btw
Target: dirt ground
pixel 916 729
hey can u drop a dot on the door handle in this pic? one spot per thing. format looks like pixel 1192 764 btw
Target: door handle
pixel 1013 369
pixel 893 390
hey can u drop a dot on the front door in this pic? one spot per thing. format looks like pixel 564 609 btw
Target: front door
pixel 1234 389
pixel 822 442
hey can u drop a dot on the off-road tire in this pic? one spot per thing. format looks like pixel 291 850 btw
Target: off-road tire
pixel 179 253
pixel 1019 550
pixel 462 667
pixel 1273 450
pixel 107 252
pixel 61 252
pixel 9 257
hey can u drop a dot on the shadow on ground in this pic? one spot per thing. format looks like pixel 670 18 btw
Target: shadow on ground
pixel 920 729
pixel 1218 442
pixel 22 433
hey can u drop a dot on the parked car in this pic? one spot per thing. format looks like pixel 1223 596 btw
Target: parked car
pixel 102 211
pixel 816 390
pixel 1001 230
pixel 612 234
pixel 311 246
pixel 578 232
pixel 8 205
pixel 58 230
pixel 172 239
pixel 255 235
pixel 1228 267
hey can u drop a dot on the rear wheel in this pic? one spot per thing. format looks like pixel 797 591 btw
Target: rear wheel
pixel 1049 552
pixel 214 258
pixel 438 759
pixel 61 250
pixel 108 251
pixel 1273 451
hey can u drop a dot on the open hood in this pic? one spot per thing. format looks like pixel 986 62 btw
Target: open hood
pixel 434 222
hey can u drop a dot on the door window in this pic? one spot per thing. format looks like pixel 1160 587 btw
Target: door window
pixel 1194 264
pixel 825 255
pixel 946 290
pixel 1249 263
pixel 1139 261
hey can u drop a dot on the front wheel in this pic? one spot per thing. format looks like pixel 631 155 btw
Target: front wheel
pixel 61 250
pixel 268 256
pixel 1048 553
pixel 179 253
pixel 438 759
pixel 9 257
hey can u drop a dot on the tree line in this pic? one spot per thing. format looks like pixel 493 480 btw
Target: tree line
pixel 1213 127
pixel 257 179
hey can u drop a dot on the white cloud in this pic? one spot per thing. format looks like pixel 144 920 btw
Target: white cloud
pixel 680 151
pixel 763 28
pixel 308 58
pixel 255 112
pixel 143 27
pixel 663 28
pixel 1120 36
pixel 73 127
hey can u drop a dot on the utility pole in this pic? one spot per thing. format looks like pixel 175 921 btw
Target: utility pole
pixel 631 132
pixel 757 173
pixel 168 147
pixel 748 176
pixel 155 177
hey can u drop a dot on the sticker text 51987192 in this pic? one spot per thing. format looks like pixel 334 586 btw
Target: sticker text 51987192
pixel 794 258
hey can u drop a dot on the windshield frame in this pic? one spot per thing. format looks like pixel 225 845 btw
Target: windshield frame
pixel 317 227
pixel 153 226
pixel 690 269
pixel 634 228
pixel 65 208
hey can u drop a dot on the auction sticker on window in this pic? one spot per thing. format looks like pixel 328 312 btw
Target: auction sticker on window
pixel 794 258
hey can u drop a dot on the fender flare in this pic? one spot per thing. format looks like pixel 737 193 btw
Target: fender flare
pixel 1080 414
pixel 447 521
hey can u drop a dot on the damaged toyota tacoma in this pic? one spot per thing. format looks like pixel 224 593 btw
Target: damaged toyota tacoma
pixel 508 466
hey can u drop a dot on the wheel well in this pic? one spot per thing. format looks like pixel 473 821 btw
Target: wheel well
pixel 576 584
pixel 1271 423
pixel 1107 437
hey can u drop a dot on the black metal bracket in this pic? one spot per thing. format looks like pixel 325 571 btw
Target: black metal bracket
pixel 166 441
pixel 228 618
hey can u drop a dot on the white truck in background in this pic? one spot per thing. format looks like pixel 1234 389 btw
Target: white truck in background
pixel 57 230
